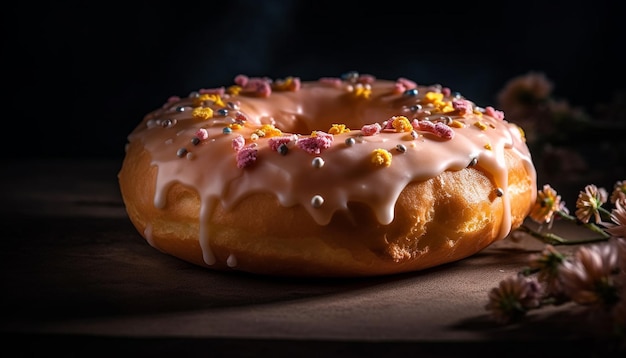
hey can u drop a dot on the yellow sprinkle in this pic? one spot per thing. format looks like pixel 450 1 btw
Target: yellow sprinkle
pixel 362 91
pixel 456 124
pixel 480 125
pixel 270 131
pixel 234 90
pixel 254 136
pixel 381 157
pixel 433 97
pixel 215 98
pixel 338 129
pixel 235 126
pixel 477 112
pixel 202 113
pixel 488 146
pixel 401 124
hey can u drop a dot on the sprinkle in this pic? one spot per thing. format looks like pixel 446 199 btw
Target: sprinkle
pixel 411 92
pixel 499 192
pixel 371 129
pixel 181 152
pixel 222 112
pixel 215 91
pixel 401 148
pixel 350 76
pixel 490 111
pixel 235 126
pixel 195 140
pixel 180 109
pixel 317 162
pixel 401 124
pixel 381 157
pixel 254 137
pixel 246 156
pixel 350 141
pixel 488 146
pixel 202 134
pixel 316 142
pixel 439 129
pixel 270 131
pixel 446 91
pixel 317 201
pixel 168 123
pixel 202 113
pixel 190 156
pixel 362 91
pixel 480 125
pixel 338 129
pixel 227 130
pixel 208 97
pixel 473 162
pixel 232 105
pixel 276 142
pixel 456 124
pixel 331 81
pixel 414 134
pixel 283 149
pixel 238 143
pixel 288 84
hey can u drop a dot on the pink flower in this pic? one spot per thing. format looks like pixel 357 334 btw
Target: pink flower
pixel 618 217
pixel 589 278
pixel 513 297
pixel 589 202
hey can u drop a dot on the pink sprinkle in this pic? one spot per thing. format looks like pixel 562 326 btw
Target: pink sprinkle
pixel 439 129
pixel 388 124
pixel 331 81
pixel 241 80
pixel 276 142
pixel 366 79
pixel 371 129
pixel 463 106
pixel 202 134
pixel 398 88
pixel 406 83
pixel 238 143
pixel 446 91
pixel 240 117
pixel 314 145
pixel 490 111
pixel 219 91
pixel 258 86
pixel 246 156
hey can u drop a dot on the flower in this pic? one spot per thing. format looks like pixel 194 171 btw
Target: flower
pixel 588 203
pixel 546 204
pixel 619 191
pixel 513 298
pixel 547 264
pixel 589 278
pixel 618 216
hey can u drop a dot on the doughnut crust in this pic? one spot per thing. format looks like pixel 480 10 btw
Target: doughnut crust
pixel 435 220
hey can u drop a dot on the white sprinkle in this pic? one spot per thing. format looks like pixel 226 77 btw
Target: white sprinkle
pixel 317 162
pixel 231 261
pixel 317 201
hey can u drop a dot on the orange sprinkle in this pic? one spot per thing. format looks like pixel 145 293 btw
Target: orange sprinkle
pixel 480 125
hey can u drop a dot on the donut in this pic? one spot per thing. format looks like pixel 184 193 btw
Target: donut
pixel 347 176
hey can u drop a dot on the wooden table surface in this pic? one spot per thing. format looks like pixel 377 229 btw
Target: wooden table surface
pixel 79 280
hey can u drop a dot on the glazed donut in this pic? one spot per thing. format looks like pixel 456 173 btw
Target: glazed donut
pixel 346 176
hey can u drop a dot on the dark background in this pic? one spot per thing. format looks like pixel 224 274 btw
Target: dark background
pixel 80 76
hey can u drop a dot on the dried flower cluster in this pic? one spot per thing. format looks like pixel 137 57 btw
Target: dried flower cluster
pixel 594 276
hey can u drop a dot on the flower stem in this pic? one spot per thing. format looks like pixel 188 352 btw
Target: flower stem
pixel 553 239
